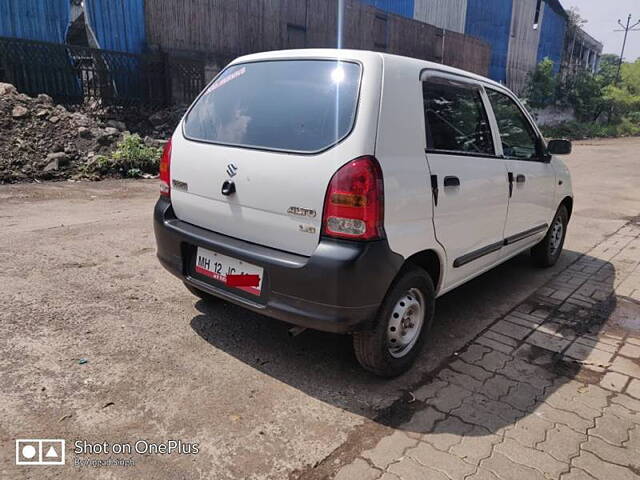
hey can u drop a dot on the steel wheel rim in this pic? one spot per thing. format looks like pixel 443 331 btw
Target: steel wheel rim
pixel 405 323
pixel 555 237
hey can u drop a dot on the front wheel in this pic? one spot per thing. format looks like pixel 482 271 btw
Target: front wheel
pixel 401 325
pixel 547 252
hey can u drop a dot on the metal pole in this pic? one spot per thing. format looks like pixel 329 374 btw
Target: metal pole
pixel 624 44
pixel 626 29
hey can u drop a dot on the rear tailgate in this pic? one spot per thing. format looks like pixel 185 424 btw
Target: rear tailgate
pixel 267 185
pixel 274 129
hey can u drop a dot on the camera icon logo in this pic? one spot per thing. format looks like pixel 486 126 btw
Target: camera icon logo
pixel 30 451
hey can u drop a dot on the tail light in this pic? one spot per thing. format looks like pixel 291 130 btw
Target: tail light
pixel 354 204
pixel 165 170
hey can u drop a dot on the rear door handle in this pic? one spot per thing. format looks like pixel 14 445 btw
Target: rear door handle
pixel 451 182
pixel 521 178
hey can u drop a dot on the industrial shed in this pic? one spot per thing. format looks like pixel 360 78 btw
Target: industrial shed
pixel 44 20
pixel 523 42
pixel 521 33
pixel 449 14
pixel 490 20
pixel 222 30
pixel 553 32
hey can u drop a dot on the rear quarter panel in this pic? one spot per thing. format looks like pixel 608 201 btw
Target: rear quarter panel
pixel 400 149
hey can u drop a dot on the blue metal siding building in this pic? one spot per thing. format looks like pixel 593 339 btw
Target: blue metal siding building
pixel 117 24
pixel 399 7
pixel 490 20
pixel 552 35
pixel 506 25
pixel 43 20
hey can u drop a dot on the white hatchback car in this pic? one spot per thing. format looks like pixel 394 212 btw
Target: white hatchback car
pixel 345 190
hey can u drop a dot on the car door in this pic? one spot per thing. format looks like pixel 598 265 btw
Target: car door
pixel 468 179
pixel 532 179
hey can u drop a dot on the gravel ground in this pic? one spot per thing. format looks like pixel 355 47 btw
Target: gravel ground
pixel 100 344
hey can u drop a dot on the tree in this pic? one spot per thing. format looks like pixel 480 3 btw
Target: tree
pixel 541 85
pixel 608 68
pixel 583 92
pixel 625 97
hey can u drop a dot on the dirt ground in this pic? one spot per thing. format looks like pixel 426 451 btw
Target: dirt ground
pixel 100 344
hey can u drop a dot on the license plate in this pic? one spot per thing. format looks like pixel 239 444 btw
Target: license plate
pixel 230 271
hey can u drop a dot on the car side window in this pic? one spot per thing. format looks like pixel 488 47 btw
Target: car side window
pixel 455 118
pixel 519 141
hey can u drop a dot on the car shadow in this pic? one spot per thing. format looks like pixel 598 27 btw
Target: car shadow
pixel 323 365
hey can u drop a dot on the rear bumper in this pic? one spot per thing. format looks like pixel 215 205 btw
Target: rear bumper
pixel 338 288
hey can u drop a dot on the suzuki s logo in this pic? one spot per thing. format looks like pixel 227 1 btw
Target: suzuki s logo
pixel 232 170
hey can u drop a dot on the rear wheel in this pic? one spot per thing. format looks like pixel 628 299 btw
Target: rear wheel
pixel 547 252
pixel 401 326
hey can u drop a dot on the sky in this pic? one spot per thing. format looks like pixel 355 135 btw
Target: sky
pixel 602 16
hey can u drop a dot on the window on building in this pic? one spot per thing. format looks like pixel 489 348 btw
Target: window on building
pixel 456 118
pixel 519 141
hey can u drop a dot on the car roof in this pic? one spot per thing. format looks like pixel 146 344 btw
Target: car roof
pixel 363 56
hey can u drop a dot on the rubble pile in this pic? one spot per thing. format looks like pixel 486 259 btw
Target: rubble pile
pixel 43 141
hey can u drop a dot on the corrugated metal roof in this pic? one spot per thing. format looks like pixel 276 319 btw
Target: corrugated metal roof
pixel 552 36
pixel 117 24
pixel 44 20
pixel 490 20
pixel 449 14
pixel 399 7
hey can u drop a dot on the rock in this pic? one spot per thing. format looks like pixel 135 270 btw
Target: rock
pixel 7 89
pixel 84 132
pixel 121 126
pixel 19 111
pixel 153 142
pixel 44 98
pixel 104 139
pixel 81 119
pixel 55 161
pixel 53 165
pixel 54 119
pixel 111 131
pixel 42 113
pixel 159 118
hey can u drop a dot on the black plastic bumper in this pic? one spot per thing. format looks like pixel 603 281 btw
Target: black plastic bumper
pixel 338 289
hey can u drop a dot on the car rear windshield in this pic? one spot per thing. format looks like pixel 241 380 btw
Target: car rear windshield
pixel 292 105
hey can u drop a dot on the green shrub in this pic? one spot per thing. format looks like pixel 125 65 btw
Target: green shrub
pixel 131 158
pixel 542 84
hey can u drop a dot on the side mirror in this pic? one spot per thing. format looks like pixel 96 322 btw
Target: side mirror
pixel 559 147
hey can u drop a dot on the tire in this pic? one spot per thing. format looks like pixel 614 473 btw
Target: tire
pixel 547 252
pixel 207 297
pixel 378 350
